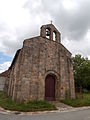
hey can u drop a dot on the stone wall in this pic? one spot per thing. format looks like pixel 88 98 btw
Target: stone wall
pixel 38 57
pixel 2 83
pixel 4 80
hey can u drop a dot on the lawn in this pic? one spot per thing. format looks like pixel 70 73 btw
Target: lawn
pixel 79 102
pixel 8 104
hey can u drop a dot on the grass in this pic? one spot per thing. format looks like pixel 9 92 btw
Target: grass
pixel 79 102
pixel 7 103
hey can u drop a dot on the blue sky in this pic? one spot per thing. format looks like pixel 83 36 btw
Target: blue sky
pixel 4 58
pixel 5 62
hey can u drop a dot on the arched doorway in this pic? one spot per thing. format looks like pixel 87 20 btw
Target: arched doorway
pixel 50 88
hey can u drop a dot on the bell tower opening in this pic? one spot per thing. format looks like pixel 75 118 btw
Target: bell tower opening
pixel 54 36
pixel 48 33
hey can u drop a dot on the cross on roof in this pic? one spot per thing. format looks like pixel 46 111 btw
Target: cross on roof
pixel 51 21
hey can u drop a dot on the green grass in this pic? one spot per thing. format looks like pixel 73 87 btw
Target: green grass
pixel 79 102
pixel 8 104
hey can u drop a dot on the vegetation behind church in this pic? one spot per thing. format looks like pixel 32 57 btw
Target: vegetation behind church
pixel 81 67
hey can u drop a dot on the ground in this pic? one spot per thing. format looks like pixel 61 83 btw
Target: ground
pixel 64 112
pixel 70 115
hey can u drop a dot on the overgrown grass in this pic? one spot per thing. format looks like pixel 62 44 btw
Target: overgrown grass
pixel 8 104
pixel 79 102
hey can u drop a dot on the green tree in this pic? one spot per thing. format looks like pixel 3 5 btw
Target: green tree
pixel 86 74
pixel 81 67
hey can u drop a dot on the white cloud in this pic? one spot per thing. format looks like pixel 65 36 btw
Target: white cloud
pixel 17 23
pixel 82 46
pixel 70 4
pixel 89 57
pixel 4 66
pixel 20 19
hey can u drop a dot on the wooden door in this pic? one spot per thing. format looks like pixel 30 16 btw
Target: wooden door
pixel 50 88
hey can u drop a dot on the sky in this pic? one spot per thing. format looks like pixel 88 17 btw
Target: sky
pixel 21 19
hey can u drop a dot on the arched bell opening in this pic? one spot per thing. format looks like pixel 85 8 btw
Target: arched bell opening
pixel 54 36
pixel 48 33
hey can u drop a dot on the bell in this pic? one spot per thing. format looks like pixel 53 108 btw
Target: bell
pixel 47 33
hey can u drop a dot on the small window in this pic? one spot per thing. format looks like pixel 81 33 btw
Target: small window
pixel 48 33
pixel 54 36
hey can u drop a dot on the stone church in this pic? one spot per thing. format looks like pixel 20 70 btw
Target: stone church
pixel 42 69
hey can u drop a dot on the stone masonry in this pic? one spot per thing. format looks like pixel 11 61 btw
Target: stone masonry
pixel 39 57
pixel 4 77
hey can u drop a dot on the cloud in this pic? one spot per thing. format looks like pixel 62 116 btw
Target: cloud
pixel 72 18
pixel 4 66
pixel 21 19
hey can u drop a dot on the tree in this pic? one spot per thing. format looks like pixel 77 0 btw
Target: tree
pixel 81 67
pixel 86 74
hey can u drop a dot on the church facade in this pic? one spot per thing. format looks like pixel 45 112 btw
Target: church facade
pixel 42 69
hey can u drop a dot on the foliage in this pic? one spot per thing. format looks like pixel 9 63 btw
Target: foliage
pixel 8 104
pixel 81 67
pixel 79 102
